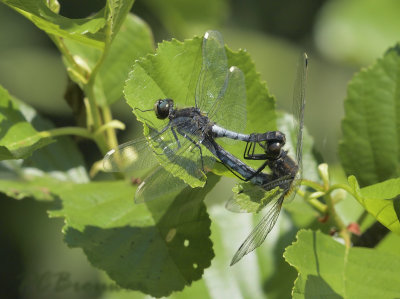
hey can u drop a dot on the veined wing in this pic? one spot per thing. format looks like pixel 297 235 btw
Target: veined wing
pixel 160 183
pixel 183 166
pixel 212 80
pixel 260 232
pixel 188 159
pixel 219 88
pixel 177 148
pixel 273 203
pixel 133 156
pixel 299 101
pixel 230 110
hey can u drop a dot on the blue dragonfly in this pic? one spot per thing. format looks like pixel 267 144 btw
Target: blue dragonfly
pixel 286 173
pixel 184 144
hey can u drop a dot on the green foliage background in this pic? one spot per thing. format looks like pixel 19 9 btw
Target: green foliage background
pixel 179 244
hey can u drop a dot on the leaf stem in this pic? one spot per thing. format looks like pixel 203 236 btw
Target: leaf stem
pixel 332 212
pixel 110 126
pixel 77 131
pixel 313 185
pixel 345 187
pixel 319 206
pixel 77 71
pixel 95 110
pixel 82 132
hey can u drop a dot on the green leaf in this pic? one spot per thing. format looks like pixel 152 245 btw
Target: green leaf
pixel 83 41
pixel 117 12
pixel 252 199
pixel 370 146
pixel 39 188
pixel 47 169
pixel 134 40
pixel 381 200
pixel 156 248
pixel 328 270
pixel 18 138
pixel 173 72
pixel 87 31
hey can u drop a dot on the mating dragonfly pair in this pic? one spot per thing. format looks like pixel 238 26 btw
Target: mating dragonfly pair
pixel 179 145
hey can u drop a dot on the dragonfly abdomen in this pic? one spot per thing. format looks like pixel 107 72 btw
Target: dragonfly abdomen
pixel 222 132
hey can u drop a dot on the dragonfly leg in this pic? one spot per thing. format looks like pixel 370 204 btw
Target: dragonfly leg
pixel 249 152
pixel 257 171
pixel 176 137
pixel 195 144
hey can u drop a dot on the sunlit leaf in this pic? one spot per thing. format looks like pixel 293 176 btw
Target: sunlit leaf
pixel 328 270
pixel 252 199
pixel 87 31
pixel 370 146
pixel 117 12
pixel 382 201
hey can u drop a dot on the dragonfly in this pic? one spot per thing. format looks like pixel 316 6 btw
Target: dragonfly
pixel 286 172
pixel 178 146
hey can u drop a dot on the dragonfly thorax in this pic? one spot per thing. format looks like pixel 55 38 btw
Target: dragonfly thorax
pixel 163 108
pixel 285 166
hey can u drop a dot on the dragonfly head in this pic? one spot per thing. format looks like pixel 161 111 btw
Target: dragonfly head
pixel 163 108
pixel 273 147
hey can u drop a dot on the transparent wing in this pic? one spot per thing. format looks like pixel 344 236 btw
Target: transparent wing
pixel 132 156
pixel 160 183
pixel 299 100
pixel 295 185
pixel 260 232
pixel 185 158
pixel 212 81
pixel 177 148
pixel 233 103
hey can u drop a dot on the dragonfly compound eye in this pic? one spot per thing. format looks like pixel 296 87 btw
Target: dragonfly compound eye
pixel 274 149
pixel 162 108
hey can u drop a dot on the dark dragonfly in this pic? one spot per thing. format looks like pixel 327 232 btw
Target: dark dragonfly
pixel 179 145
pixel 286 173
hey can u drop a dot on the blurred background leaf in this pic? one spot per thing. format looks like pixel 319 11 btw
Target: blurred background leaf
pixel 44 171
pixel 19 139
pixel 133 41
pixel 364 29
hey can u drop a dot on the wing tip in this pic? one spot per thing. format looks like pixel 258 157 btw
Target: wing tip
pixel 240 253
pixel 235 259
